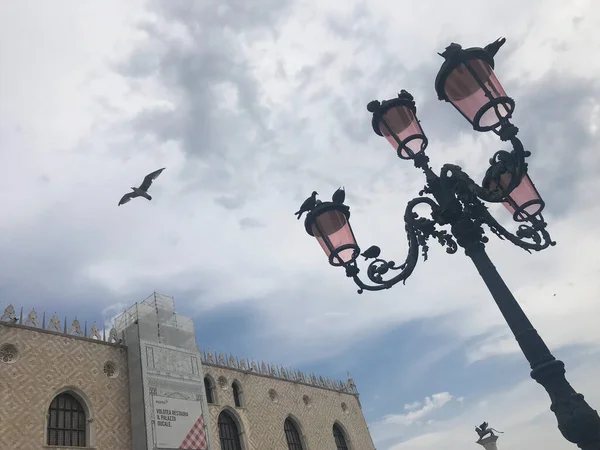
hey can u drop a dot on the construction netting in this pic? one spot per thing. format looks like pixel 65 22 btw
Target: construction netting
pixel 158 322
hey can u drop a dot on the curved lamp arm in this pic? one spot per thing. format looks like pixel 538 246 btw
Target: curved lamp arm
pixel 461 178
pixel 418 231
pixel 502 163
pixel 533 236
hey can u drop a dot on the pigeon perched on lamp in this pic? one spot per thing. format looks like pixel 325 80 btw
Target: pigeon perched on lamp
pixel 339 196
pixel 308 204
pixel 372 252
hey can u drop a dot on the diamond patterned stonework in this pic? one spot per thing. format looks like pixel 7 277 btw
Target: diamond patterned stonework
pixel 49 363
pixel 40 360
pixel 262 419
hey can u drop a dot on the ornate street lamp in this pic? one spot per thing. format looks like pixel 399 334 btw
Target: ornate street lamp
pixel 467 80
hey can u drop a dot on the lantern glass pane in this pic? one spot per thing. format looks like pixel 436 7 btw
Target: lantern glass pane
pixel 404 125
pixel 336 230
pixel 525 194
pixel 469 96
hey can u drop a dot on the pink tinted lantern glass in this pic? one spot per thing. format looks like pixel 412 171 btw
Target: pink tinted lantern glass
pixel 336 230
pixel 405 128
pixel 467 95
pixel 524 201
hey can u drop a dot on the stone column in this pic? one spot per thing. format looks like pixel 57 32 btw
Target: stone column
pixel 489 443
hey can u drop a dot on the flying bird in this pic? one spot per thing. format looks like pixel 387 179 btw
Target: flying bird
pixel 372 252
pixel 339 196
pixel 141 191
pixel 308 204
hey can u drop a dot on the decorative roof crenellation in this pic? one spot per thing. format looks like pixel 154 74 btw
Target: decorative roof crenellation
pixel 9 317
pixel 219 359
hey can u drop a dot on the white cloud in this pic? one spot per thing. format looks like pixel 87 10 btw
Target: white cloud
pixel 95 138
pixel 522 413
pixel 430 404
pixel 286 114
pixel 412 406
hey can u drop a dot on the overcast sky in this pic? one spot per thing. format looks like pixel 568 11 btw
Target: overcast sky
pixel 250 106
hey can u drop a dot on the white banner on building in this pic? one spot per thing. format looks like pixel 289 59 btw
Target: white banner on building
pixel 177 421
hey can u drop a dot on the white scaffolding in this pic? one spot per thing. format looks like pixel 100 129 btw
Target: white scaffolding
pixel 158 322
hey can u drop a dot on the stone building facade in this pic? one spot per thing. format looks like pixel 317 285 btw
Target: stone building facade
pixel 265 403
pixel 43 364
pixel 109 388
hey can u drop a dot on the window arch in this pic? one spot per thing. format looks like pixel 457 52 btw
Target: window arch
pixel 229 432
pixel 292 435
pixel 67 421
pixel 340 438
pixel 237 394
pixel 209 388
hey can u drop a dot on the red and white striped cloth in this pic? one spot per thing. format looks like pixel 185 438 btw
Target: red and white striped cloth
pixel 196 438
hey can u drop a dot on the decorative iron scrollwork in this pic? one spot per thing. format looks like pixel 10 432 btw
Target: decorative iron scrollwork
pixel 418 231
pixel 454 199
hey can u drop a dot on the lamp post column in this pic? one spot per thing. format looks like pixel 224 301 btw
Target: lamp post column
pixel 578 422
pixel 466 80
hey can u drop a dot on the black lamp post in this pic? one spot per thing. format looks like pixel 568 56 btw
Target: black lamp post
pixel 467 80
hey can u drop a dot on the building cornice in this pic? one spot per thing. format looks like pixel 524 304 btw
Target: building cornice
pixel 219 360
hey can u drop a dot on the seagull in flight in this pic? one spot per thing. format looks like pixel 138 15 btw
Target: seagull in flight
pixel 141 191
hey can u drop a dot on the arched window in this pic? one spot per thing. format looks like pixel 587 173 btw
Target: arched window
pixel 340 440
pixel 208 387
pixel 229 434
pixel 66 422
pixel 292 436
pixel 237 397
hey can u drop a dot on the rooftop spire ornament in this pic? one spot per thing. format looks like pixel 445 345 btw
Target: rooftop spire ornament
pixel 458 215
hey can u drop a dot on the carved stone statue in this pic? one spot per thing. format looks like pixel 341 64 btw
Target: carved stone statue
pixel 483 430
pixel 351 385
